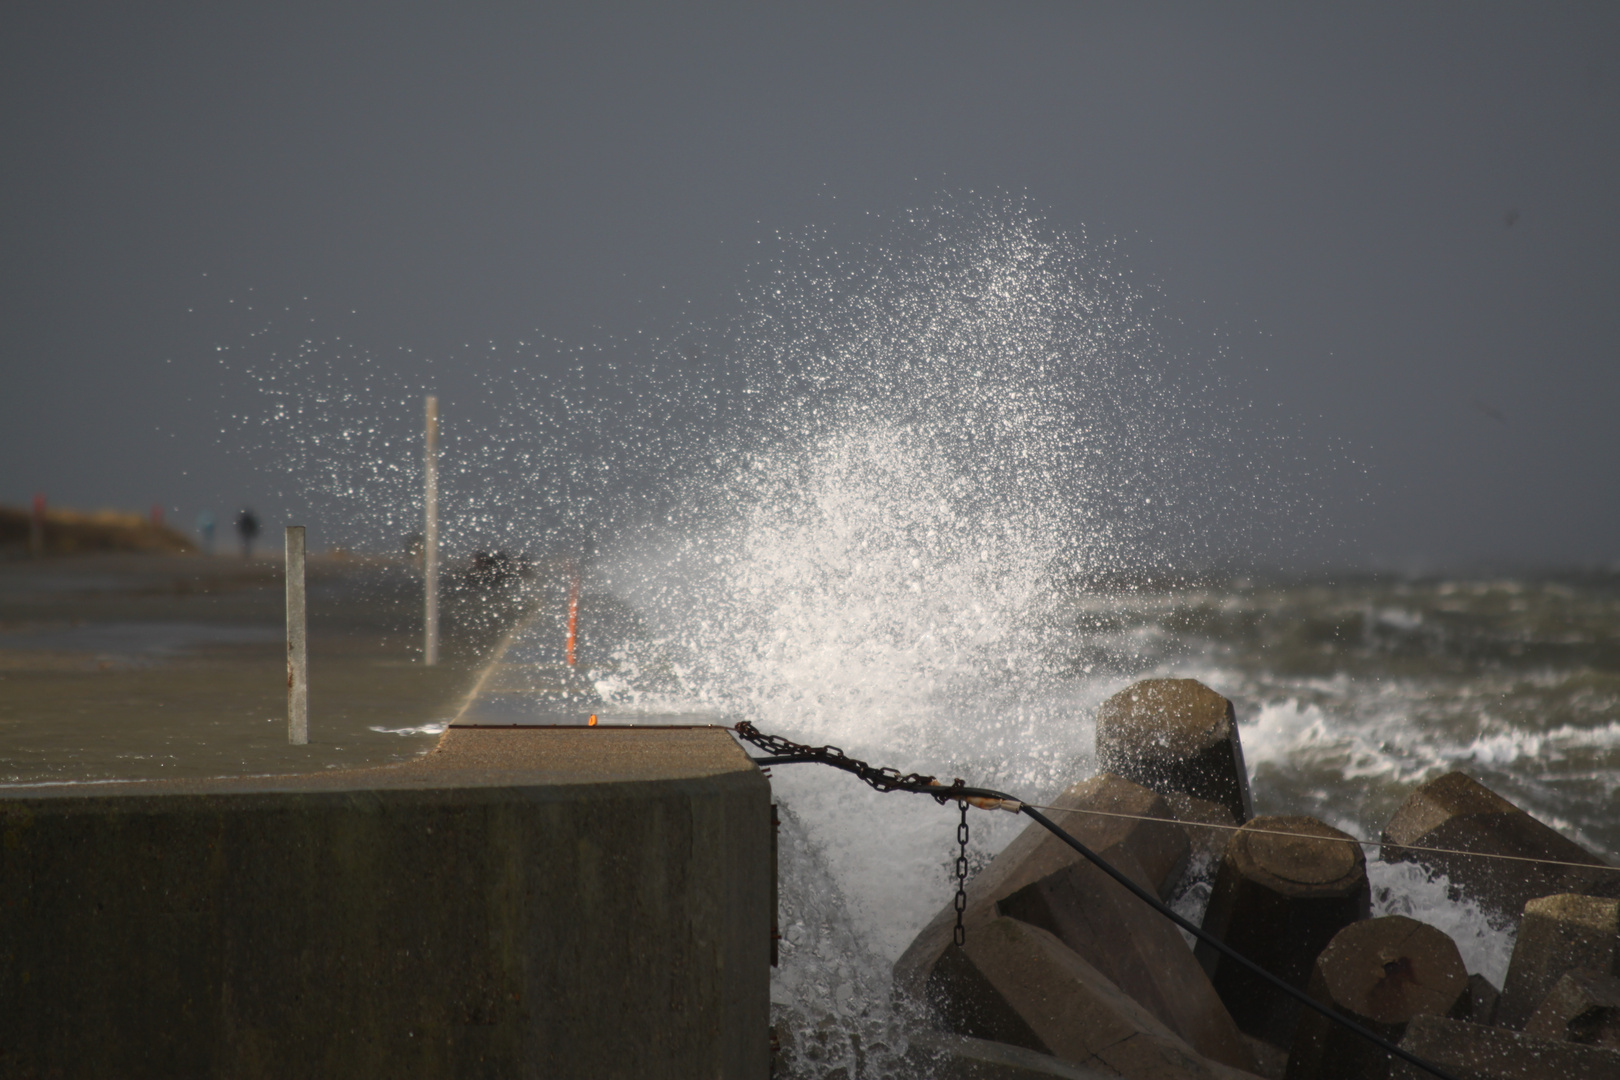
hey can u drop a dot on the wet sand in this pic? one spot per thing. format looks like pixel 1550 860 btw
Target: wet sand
pixel 152 666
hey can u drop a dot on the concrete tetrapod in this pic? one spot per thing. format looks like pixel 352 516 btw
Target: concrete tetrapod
pixel 1157 850
pixel 1482 999
pixel 1044 882
pixel 958 1057
pixel 1176 735
pixel 1279 900
pixel 1209 825
pixel 1582 1007
pixel 1016 983
pixel 1558 934
pixel 1476 1052
pixel 1137 949
pixel 1457 812
pixel 1380 973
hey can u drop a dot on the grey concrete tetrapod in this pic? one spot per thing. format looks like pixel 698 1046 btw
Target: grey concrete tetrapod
pixel 1559 934
pixel 1176 735
pixel 1472 1051
pixel 1458 813
pixel 1286 885
pixel 1380 973
pixel 1583 1007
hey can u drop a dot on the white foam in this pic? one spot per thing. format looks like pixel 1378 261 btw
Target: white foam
pixel 1509 747
pixel 1404 888
pixel 433 727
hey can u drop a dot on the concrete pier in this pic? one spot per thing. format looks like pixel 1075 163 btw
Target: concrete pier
pixel 528 902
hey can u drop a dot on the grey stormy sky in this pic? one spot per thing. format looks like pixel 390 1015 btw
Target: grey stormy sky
pixel 1395 226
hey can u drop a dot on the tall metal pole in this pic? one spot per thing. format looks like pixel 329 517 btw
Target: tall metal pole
pixel 297 641
pixel 430 542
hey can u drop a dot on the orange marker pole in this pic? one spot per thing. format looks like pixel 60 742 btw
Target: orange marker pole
pixel 573 616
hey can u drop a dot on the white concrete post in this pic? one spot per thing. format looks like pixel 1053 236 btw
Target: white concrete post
pixel 430 536
pixel 297 641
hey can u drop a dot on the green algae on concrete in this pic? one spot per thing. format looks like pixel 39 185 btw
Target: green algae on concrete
pixel 528 902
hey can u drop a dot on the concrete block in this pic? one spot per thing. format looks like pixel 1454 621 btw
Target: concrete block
pixel 1457 812
pixel 1016 983
pixel 581 902
pixel 1475 1052
pixel 1380 973
pixel 1176 735
pixel 958 1057
pixel 1156 851
pixel 1279 900
pixel 1270 1061
pixel 1206 843
pixel 1482 999
pixel 1582 1007
pixel 1140 951
pixel 1558 934
pixel 1137 949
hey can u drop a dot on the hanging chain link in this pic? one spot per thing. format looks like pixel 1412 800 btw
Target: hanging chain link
pixel 961 876
pixel 884 779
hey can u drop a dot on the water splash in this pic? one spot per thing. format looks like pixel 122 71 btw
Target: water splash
pixel 936 442
pixel 924 442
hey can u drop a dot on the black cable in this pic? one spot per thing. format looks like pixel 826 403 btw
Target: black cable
pixel 785 752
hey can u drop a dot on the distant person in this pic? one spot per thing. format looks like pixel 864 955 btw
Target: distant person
pixel 247 527
pixel 205 529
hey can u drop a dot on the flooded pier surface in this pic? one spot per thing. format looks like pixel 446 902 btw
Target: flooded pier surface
pixel 148 666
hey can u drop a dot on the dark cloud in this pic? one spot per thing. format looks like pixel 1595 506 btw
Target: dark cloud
pixel 1371 220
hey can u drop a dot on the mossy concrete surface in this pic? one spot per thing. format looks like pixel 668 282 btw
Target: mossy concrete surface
pixel 532 902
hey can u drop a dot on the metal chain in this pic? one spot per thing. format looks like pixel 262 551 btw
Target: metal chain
pixel 961 876
pixel 883 779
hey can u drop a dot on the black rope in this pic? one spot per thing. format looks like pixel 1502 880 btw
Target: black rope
pixel 786 752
